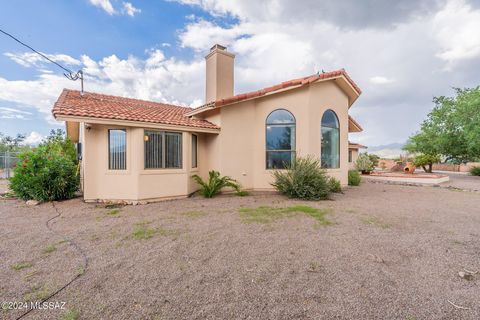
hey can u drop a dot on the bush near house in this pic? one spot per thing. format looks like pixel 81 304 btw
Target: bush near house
pixel 475 171
pixel 48 172
pixel 373 158
pixel 364 163
pixel 354 178
pixel 334 185
pixel 426 161
pixel 304 179
pixel 215 184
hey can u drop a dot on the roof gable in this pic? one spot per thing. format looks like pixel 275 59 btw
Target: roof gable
pixel 344 82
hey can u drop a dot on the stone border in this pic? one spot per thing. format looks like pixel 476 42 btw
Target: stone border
pixel 408 180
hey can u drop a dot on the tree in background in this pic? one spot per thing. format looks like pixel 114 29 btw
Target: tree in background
pixel 425 161
pixel 11 144
pixel 373 158
pixel 452 128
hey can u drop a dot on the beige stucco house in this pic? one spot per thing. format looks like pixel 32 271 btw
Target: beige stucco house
pixel 353 153
pixel 141 150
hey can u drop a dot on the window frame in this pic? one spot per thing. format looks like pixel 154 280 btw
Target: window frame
pixel 194 159
pixel 109 153
pixel 321 138
pixel 292 150
pixel 163 160
pixel 350 155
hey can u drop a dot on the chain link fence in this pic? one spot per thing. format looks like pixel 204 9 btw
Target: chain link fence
pixel 8 161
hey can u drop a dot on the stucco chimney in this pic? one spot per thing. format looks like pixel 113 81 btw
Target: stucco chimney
pixel 219 80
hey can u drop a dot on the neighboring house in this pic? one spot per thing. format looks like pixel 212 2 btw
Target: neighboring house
pixel 141 150
pixel 354 151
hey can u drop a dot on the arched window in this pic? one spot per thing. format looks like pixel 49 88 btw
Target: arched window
pixel 280 139
pixel 330 140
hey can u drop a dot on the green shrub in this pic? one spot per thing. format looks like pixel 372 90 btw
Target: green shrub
pixel 475 171
pixel 334 185
pixel 374 159
pixel 354 178
pixel 215 184
pixel 46 173
pixel 364 163
pixel 304 178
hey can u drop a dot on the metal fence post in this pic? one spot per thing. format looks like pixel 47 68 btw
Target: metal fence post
pixel 7 167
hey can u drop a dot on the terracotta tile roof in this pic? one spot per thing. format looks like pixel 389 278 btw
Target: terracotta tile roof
pixel 94 105
pixel 280 86
pixel 352 145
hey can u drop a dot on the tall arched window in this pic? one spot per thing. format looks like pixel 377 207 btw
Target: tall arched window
pixel 330 140
pixel 280 139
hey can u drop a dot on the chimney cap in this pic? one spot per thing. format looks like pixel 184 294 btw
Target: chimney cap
pixel 218 46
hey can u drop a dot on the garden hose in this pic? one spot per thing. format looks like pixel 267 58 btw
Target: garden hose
pixel 73 244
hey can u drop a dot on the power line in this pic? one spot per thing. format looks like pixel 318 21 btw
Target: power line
pixel 69 75
pixel 37 52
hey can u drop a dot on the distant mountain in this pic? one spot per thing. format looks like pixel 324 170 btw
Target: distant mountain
pixel 387 151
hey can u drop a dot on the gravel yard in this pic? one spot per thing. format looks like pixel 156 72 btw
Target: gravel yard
pixel 377 251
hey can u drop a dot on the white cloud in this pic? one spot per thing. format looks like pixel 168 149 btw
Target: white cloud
pixel 156 78
pixel 456 28
pixel 106 5
pixel 33 139
pixel 130 10
pixel 12 113
pixel 32 59
pixel 381 80
pixel 202 34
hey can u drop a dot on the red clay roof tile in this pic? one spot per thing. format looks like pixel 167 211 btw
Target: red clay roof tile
pixel 285 84
pixel 71 103
pixel 94 105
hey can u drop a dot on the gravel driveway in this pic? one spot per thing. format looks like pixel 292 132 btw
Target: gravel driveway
pixel 390 252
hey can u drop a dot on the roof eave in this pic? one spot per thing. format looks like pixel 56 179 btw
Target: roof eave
pixel 130 123
pixel 353 125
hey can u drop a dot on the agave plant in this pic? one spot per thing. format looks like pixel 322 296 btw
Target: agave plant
pixel 215 183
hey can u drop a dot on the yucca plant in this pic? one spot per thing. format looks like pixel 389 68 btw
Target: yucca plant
pixel 215 183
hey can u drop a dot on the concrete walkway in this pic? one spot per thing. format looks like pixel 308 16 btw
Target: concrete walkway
pixel 463 181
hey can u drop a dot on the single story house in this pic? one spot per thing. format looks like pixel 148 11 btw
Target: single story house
pixel 137 150
pixel 353 152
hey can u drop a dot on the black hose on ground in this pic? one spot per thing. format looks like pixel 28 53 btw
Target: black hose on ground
pixel 73 244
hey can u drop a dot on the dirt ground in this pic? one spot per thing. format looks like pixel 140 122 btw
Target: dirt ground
pixel 390 252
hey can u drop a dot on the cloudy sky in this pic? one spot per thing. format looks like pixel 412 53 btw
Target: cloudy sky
pixel 401 53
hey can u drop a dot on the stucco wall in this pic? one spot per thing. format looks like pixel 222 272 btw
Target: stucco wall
pixel 239 151
pixel 355 153
pixel 135 183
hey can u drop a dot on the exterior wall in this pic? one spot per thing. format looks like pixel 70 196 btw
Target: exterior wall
pixel 239 150
pixel 355 153
pixel 464 167
pixel 135 183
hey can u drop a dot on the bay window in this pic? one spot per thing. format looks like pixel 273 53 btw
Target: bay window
pixel 163 149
